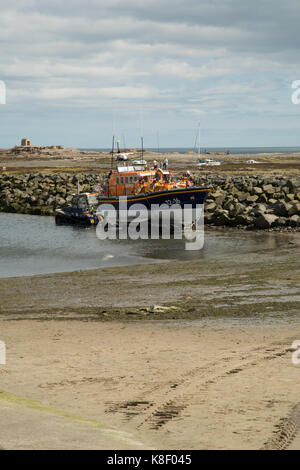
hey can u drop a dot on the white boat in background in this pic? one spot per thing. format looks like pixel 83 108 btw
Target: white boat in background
pixel 208 162
pixel 139 162
pixel 123 156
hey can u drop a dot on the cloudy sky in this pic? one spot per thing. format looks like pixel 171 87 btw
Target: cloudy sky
pixel 78 70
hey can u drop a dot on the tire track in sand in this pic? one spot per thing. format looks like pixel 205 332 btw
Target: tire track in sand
pixel 154 408
pixel 287 432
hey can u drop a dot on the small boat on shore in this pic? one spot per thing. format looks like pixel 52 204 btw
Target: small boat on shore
pixel 81 211
pixel 208 162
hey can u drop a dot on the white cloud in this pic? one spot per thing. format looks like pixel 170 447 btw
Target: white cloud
pixel 94 93
pixel 178 57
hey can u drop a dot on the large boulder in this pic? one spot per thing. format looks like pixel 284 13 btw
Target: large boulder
pixel 251 199
pixel 282 221
pixel 281 209
pixel 220 217
pixel 243 219
pixel 294 208
pixel 265 221
pixel 289 197
pixel 258 210
pixel 294 221
pixel 218 197
pixel 242 196
pixel 268 189
pixel 223 219
pixel 257 190
pixel 59 201
pixel 272 202
pixel 208 218
pixel 237 210
pixel 263 199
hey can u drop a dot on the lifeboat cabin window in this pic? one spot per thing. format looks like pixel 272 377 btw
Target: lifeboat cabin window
pixel 118 180
pixel 92 200
pixel 122 180
pixel 75 201
pixel 82 202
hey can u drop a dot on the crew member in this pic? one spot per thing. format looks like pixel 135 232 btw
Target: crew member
pixel 187 178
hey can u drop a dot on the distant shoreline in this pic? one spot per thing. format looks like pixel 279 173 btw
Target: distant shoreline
pixel 204 150
pixel 181 150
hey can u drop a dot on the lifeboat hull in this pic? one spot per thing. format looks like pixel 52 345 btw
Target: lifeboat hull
pixel 169 200
pixel 193 196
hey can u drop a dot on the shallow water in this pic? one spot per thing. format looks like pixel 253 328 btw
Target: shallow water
pixel 35 245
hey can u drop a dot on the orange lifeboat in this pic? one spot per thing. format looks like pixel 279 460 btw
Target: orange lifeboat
pixel 127 181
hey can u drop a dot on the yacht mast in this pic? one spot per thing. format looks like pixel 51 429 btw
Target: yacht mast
pixel 112 152
pixel 199 139
pixel 142 133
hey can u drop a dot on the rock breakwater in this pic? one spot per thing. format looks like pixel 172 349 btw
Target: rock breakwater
pixel 253 202
pixel 250 202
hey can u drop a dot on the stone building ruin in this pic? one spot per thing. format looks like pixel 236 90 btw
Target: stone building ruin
pixel 25 142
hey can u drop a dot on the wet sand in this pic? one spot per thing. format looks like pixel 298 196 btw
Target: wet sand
pixel 259 282
pixel 184 354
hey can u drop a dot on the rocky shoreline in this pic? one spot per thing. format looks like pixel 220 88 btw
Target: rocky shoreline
pixel 39 193
pixel 253 202
pixel 250 202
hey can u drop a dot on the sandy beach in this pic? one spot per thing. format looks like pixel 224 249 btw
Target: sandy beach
pixel 198 357
pixel 118 385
